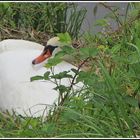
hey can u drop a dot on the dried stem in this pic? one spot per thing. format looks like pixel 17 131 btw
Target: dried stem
pixel 108 7
pixel 72 83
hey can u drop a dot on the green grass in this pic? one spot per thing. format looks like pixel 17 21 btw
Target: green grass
pixel 108 103
pixel 43 17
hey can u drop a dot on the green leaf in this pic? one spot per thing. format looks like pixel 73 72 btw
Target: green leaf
pixel 120 59
pixel 61 75
pixel 138 43
pixel 115 48
pixel 68 116
pixel 68 50
pixel 136 68
pixel 46 75
pixel 101 22
pixel 136 47
pixel 88 52
pixel 53 62
pixel 74 70
pixel 60 54
pixel 131 101
pixel 49 128
pixel 36 78
pixel 62 88
pixel 87 77
pixel 133 58
pixel 65 38
pixel 28 133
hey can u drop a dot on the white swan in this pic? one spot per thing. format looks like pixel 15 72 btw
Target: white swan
pixel 17 93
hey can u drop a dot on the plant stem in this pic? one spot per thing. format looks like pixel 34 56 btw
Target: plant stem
pixel 72 83
pixel 117 18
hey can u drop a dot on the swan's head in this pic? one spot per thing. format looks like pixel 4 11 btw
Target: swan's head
pixel 52 47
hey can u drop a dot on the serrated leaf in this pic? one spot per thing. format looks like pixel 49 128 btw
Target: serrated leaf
pixel 46 75
pixel 67 50
pixel 93 52
pixel 64 38
pixel 62 88
pixel 53 62
pixel 87 77
pixel 88 52
pixel 60 54
pixel 36 78
pixel 61 75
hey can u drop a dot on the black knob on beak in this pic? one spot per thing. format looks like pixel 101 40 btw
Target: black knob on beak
pixel 33 62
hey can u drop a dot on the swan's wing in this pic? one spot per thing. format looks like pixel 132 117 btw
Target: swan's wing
pixel 14 44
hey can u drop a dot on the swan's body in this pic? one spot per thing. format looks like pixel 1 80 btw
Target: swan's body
pixel 16 91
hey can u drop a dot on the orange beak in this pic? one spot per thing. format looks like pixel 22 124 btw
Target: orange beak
pixel 41 58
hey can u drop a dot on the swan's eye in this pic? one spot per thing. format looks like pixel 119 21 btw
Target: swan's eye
pixel 49 48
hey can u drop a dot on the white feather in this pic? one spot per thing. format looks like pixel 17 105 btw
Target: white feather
pixel 16 91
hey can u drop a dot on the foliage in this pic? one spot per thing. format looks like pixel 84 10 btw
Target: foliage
pixel 43 17
pixel 107 105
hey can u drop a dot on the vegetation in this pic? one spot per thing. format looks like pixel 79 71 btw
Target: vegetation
pixel 50 18
pixel 108 103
